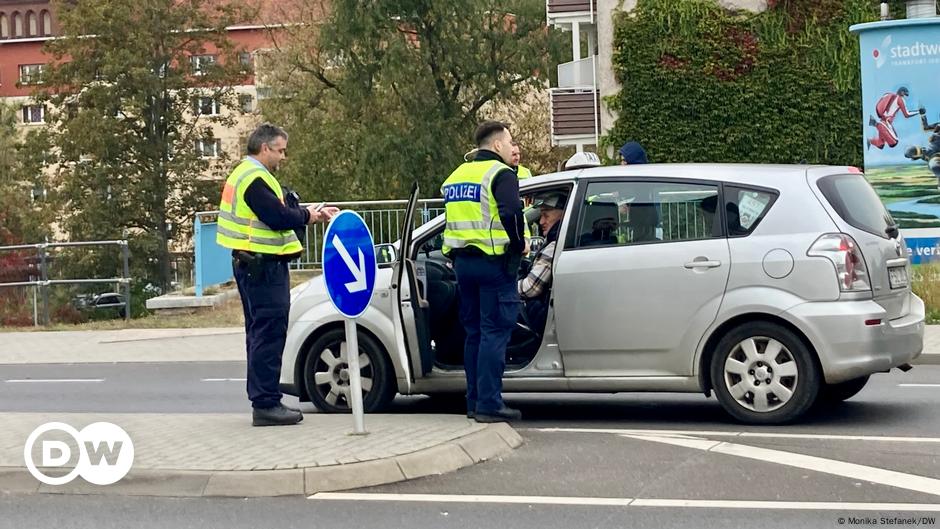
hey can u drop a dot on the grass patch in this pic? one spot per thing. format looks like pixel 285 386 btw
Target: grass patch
pixel 926 284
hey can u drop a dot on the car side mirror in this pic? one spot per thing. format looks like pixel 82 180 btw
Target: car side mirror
pixel 385 254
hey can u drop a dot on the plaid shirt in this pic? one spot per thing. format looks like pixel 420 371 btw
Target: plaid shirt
pixel 540 275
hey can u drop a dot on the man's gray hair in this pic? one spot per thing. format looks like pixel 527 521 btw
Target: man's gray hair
pixel 265 133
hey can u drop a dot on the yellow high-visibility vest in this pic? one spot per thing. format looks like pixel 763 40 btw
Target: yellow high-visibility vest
pixel 523 172
pixel 471 210
pixel 238 226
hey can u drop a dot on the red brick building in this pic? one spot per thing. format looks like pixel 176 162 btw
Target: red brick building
pixel 25 25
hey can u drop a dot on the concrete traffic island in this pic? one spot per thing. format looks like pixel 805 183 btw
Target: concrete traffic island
pixel 222 455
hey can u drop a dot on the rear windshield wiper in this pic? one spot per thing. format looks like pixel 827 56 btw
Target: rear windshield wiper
pixel 892 231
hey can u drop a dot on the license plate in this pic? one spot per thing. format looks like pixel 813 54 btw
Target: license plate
pixel 897 277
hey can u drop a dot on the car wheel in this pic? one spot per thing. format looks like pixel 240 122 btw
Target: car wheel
pixel 326 374
pixel 835 393
pixel 763 373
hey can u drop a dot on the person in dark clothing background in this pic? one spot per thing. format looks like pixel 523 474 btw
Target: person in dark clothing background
pixel 257 225
pixel 485 237
pixel 632 153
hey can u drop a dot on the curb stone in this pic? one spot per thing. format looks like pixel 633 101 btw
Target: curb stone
pixel 491 442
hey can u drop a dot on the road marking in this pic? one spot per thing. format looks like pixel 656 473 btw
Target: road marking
pixel 471 498
pixel 919 385
pixel 628 502
pixel 224 379
pixel 769 435
pixel 24 380
pixel 817 464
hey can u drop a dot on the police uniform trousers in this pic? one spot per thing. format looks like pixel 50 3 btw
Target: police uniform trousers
pixel 264 287
pixel 489 307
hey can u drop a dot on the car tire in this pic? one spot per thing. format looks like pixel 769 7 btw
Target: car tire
pixel 326 374
pixel 836 393
pixel 754 353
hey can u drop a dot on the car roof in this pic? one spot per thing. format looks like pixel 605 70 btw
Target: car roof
pixel 758 174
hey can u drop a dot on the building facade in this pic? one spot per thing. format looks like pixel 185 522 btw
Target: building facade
pixel 26 25
pixel 579 116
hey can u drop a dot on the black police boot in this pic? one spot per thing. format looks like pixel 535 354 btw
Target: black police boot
pixel 504 414
pixel 276 416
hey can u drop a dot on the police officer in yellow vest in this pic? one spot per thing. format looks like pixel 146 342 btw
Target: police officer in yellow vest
pixel 259 228
pixel 522 171
pixel 484 236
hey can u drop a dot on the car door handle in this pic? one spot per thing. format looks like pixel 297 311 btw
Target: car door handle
pixel 702 262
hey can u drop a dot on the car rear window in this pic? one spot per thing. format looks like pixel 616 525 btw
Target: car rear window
pixel 745 207
pixel 857 203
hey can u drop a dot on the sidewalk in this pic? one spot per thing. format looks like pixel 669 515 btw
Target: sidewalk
pixel 223 455
pixel 127 345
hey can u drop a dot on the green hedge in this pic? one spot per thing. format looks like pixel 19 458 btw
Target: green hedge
pixel 704 84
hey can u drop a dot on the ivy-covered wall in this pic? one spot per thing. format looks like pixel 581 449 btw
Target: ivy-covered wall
pixel 704 84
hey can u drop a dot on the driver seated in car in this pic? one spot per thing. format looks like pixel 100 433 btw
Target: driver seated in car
pixel 535 287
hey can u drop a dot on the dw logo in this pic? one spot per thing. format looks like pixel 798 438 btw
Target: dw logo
pixel 105 453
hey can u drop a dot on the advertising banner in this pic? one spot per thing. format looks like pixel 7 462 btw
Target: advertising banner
pixel 900 71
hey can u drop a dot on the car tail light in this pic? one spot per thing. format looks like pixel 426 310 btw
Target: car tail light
pixel 844 253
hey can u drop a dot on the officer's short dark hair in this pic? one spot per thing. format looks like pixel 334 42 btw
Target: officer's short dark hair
pixel 265 133
pixel 486 131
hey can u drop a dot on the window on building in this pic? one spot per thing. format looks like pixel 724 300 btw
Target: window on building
pixel 31 73
pixel 247 103
pixel 201 63
pixel 265 92
pixel 208 148
pixel 32 24
pixel 4 26
pixel 207 106
pixel 46 23
pixel 246 61
pixel 17 25
pixel 34 114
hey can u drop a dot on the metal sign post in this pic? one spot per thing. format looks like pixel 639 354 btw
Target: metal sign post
pixel 350 283
pixel 355 378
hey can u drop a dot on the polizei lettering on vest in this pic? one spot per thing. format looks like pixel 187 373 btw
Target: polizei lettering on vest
pixel 462 193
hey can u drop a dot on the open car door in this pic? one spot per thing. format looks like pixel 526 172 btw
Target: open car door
pixel 412 305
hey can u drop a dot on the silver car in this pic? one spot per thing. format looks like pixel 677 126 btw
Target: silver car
pixel 775 286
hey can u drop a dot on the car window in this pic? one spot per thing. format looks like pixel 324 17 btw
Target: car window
pixel 746 207
pixel 857 203
pixel 624 213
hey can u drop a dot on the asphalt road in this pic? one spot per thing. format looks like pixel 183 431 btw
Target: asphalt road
pixel 625 460
pixel 893 403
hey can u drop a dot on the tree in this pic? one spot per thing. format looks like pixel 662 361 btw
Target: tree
pixel 122 97
pixel 21 217
pixel 391 91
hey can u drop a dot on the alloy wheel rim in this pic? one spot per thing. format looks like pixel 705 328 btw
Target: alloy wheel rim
pixel 761 374
pixel 331 374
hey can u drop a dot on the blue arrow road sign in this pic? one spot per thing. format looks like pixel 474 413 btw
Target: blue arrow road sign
pixel 349 265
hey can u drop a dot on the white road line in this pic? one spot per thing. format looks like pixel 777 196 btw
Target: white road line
pixel 789 505
pixel 816 464
pixel 768 435
pixel 25 380
pixel 919 385
pixel 628 502
pixel 472 498
pixel 224 379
